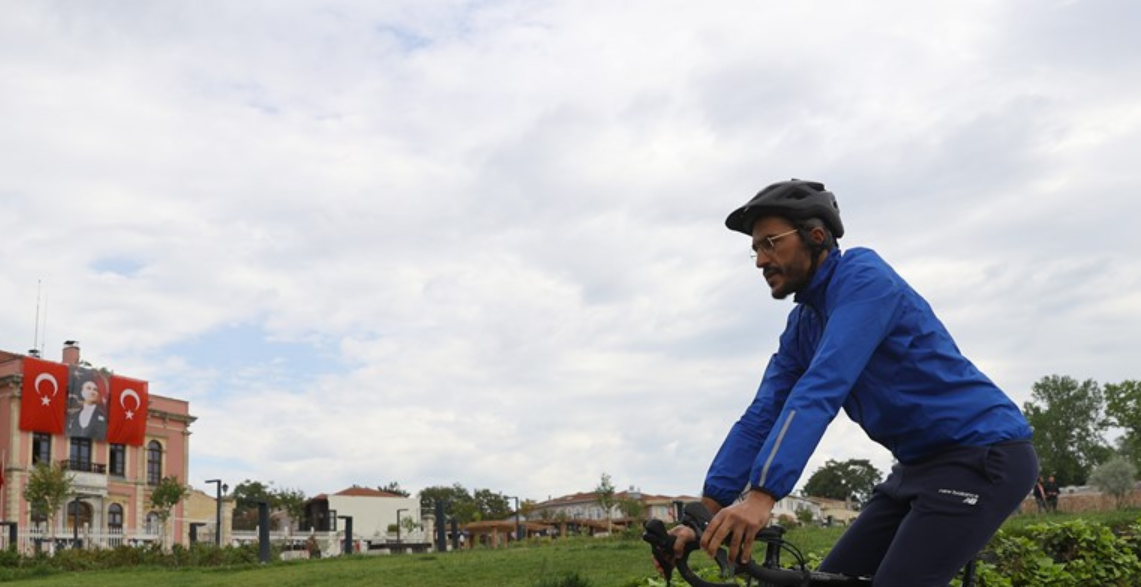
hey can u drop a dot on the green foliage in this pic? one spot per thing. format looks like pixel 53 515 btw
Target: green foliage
pixel 1115 477
pixel 464 506
pixel 249 493
pixel 604 494
pixel 1069 426
pixel 491 505
pixel 631 508
pixel 1073 553
pixel 167 494
pixel 458 501
pixel 291 501
pixel 14 565
pixel 393 487
pixel 850 479
pixel 48 488
pixel 1123 410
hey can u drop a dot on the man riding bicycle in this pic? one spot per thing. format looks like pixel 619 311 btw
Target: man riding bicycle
pixel 859 338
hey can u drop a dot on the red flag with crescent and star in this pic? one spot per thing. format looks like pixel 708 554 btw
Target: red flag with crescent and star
pixel 44 396
pixel 127 417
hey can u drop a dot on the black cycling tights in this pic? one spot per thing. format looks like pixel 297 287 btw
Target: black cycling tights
pixel 927 520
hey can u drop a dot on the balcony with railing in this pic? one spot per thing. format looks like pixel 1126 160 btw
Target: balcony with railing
pixel 83 465
pixel 88 477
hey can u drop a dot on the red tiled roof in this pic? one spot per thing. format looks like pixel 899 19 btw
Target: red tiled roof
pixel 365 492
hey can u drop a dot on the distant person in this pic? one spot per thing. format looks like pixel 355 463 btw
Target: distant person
pixel 861 339
pixel 1051 490
pixel 1040 495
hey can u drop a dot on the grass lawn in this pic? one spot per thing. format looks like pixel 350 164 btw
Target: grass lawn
pixel 611 562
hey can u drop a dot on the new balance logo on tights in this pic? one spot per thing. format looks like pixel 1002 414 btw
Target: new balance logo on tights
pixel 968 498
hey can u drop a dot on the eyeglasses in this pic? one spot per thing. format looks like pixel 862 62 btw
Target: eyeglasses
pixel 769 244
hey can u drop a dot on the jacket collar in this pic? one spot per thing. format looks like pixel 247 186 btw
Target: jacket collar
pixel 813 295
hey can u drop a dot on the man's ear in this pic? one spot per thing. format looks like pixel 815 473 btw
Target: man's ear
pixel 817 235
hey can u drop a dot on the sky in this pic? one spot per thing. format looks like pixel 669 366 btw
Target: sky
pixel 482 242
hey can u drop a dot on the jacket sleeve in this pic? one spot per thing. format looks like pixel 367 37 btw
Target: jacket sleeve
pixel 728 476
pixel 866 307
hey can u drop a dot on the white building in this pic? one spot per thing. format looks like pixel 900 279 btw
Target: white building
pixel 372 511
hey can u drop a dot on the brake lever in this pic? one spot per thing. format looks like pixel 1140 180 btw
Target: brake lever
pixel 661 545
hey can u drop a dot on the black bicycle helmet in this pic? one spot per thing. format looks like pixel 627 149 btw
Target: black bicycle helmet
pixel 795 199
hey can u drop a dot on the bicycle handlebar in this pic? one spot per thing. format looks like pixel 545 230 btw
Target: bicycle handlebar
pixel 662 546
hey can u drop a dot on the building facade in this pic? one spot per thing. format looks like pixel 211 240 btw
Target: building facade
pixel 112 481
pixel 373 511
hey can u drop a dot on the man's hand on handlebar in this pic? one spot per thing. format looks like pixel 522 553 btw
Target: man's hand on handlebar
pixel 682 536
pixel 739 523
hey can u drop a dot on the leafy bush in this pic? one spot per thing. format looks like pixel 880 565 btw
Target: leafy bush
pixel 1074 553
pixel 14 565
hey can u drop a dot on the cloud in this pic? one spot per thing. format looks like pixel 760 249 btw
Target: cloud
pixel 482 242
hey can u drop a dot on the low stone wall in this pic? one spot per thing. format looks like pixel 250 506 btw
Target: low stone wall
pixel 1078 501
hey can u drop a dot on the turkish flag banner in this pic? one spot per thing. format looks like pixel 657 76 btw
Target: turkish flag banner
pixel 44 396
pixel 127 420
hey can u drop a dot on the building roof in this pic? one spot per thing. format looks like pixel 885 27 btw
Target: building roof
pixel 356 491
pixel 592 497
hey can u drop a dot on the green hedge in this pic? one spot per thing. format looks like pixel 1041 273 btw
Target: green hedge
pixel 1073 553
pixel 14 565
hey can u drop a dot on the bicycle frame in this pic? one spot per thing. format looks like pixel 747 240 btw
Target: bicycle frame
pixel 768 574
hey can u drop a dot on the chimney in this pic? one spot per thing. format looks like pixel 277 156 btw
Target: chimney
pixel 71 352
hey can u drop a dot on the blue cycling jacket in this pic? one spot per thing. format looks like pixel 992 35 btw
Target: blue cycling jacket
pixel 860 338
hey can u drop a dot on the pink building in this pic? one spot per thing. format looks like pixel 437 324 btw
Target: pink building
pixel 112 481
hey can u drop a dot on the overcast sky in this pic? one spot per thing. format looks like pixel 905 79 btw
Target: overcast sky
pixel 482 242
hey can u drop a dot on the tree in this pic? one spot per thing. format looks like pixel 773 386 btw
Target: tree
pixel 1123 410
pixel 1069 426
pixel 604 497
pixel 246 496
pixel 459 502
pixel 167 494
pixel 409 525
pixel 631 508
pixel 1115 477
pixel 851 479
pixel 49 486
pixel 290 501
pixel 804 516
pixel 393 487
pixel 491 505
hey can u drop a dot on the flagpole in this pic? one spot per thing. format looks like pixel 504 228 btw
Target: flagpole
pixel 36 338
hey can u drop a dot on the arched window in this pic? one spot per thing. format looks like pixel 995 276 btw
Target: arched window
pixel 115 516
pixel 78 514
pixel 154 523
pixel 154 462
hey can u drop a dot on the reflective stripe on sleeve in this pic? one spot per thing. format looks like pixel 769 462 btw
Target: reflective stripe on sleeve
pixel 776 447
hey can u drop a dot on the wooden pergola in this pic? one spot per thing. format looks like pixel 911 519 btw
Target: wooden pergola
pixel 498 531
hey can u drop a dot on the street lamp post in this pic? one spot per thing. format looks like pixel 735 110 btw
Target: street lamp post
pixel 221 487
pixel 75 523
pixel 398 522
pixel 75 517
pixel 518 528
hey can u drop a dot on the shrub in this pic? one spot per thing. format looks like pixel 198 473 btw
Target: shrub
pixel 1074 553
